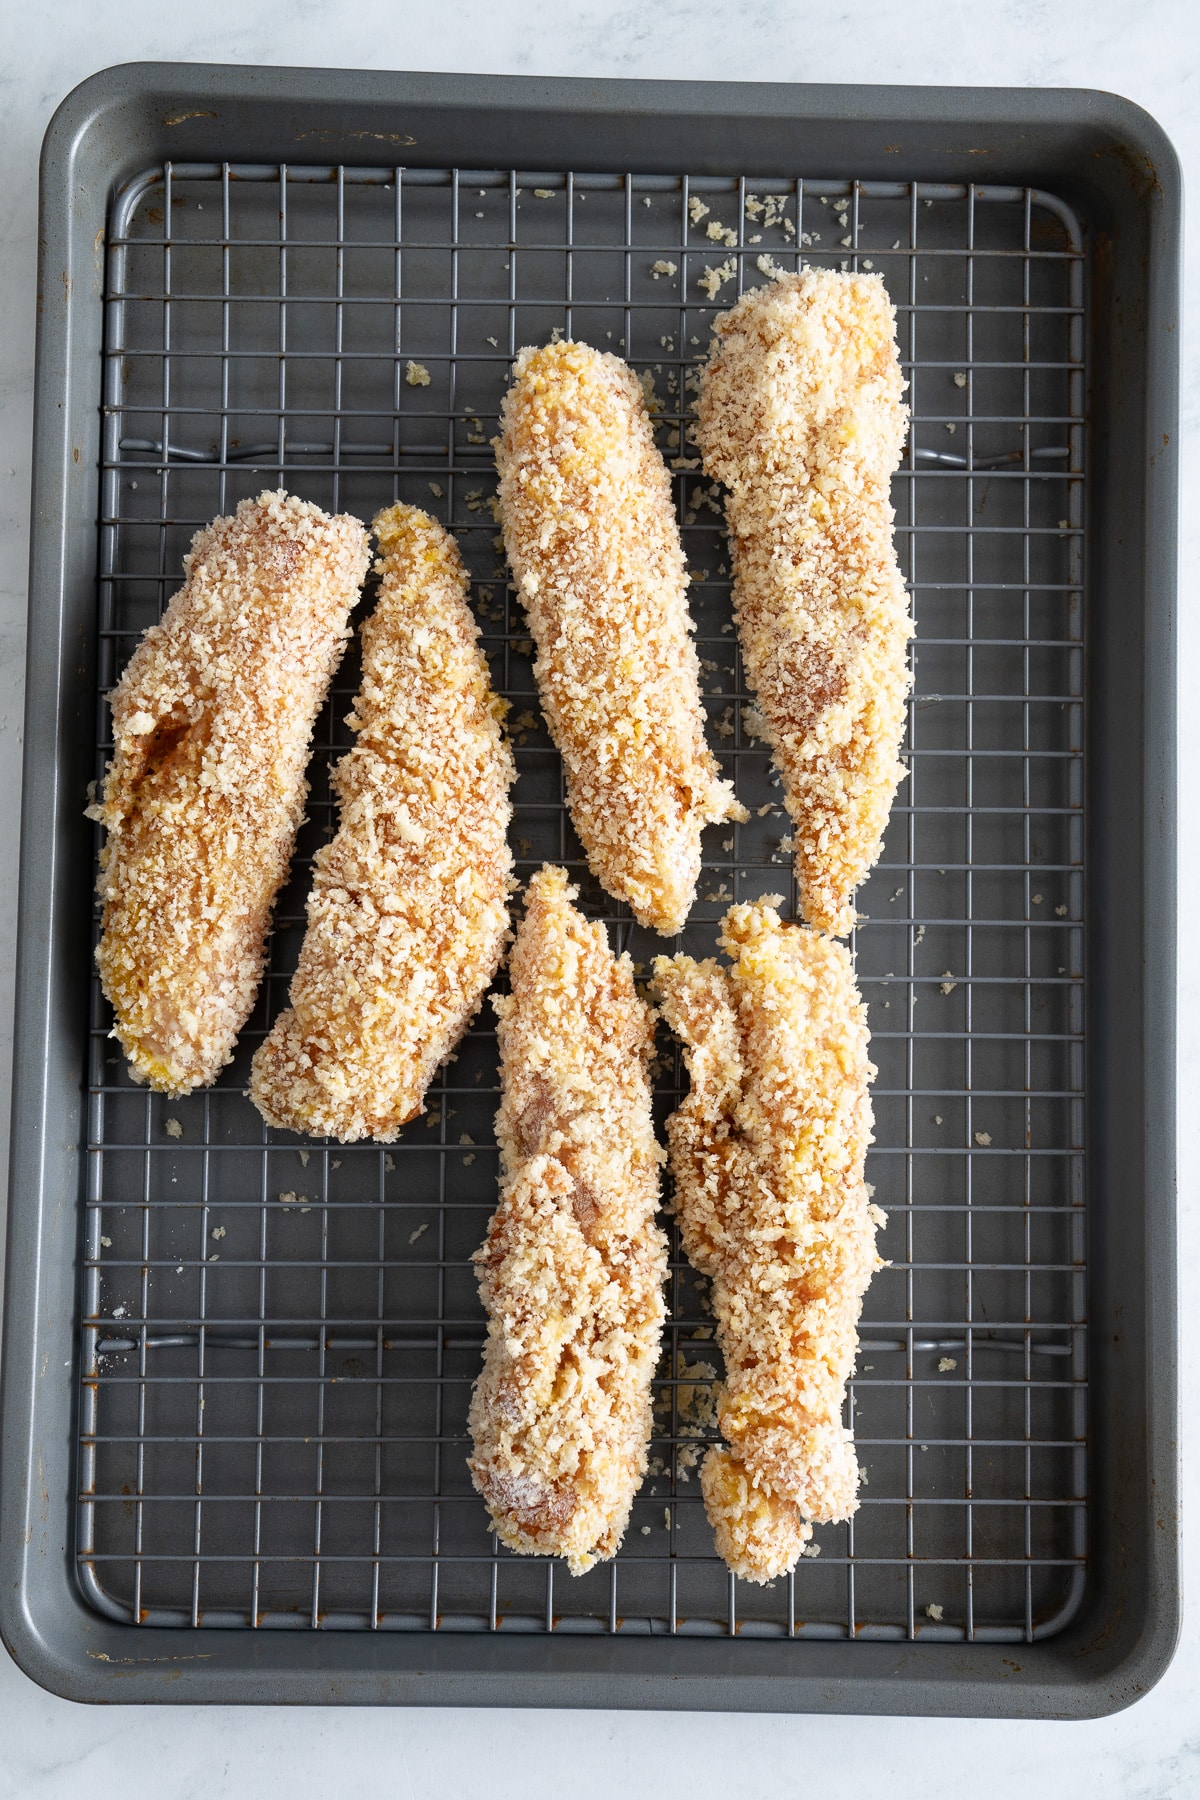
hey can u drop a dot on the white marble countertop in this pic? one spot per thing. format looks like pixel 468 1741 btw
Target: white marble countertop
pixel 50 1748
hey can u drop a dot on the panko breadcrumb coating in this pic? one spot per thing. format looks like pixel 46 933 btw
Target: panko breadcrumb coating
pixel 801 417
pixel 212 721
pixel 767 1153
pixel 760 1534
pixel 408 910
pixel 593 541
pixel 572 1268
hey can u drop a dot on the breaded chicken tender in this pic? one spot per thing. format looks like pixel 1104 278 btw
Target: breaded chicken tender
pixel 408 911
pixel 212 721
pixel 593 540
pixel 572 1268
pixel 801 417
pixel 767 1153
pixel 758 1533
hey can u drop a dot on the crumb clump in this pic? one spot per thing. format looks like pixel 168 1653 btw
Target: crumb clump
pixel 713 278
pixel 408 911
pixel 592 536
pixel 767 1153
pixel 212 722
pixel 802 418
pixel 571 1271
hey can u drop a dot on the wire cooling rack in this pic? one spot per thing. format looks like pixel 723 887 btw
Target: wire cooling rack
pixel 278 1340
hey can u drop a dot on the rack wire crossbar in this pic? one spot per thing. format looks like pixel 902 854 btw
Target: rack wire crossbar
pixel 278 1340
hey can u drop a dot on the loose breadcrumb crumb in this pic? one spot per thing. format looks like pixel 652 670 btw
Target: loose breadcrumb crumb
pixel 801 417
pixel 712 280
pixel 767 1153
pixel 416 374
pixel 407 915
pixel 212 721
pixel 572 1268
pixel 592 536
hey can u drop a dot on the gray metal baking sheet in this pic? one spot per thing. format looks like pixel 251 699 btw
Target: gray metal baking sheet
pixel 264 1455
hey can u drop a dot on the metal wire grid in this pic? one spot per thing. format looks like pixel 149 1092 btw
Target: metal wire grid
pixel 277 1342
